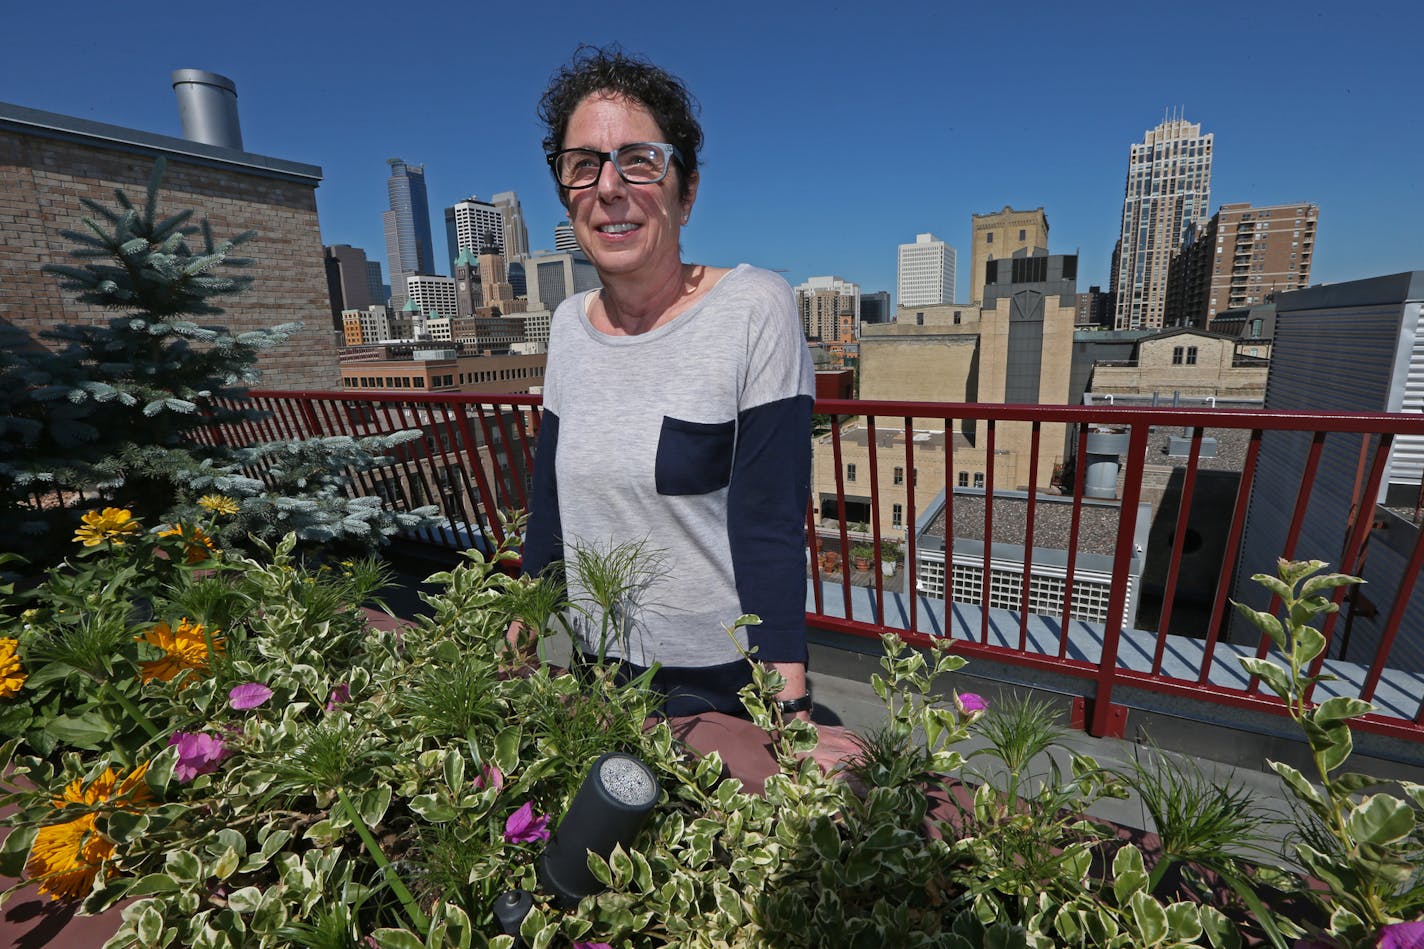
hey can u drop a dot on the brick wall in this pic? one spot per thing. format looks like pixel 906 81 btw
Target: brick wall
pixel 42 180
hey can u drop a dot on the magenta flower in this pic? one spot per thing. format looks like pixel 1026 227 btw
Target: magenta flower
pixel 339 696
pixel 490 776
pixel 592 945
pixel 524 828
pixel 198 753
pixel 970 704
pixel 248 695
pixel 1402 936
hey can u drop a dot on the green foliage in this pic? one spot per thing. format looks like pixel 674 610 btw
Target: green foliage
pixel 1368 849
pixel 115 412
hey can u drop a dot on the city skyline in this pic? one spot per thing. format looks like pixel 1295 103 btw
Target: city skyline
pixel 944 145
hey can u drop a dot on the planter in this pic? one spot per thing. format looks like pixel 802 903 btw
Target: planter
pixel 830 561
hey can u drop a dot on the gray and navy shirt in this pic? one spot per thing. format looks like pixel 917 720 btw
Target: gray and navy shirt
pixel 693 440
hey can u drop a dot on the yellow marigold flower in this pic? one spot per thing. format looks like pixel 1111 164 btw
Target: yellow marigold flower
pixel 112 523
pixel 11 675
pixel 184 648
pixel 218 504
pixel 196 543
pixel 65 857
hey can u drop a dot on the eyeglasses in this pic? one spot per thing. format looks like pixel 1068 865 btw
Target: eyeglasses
pixel 640 163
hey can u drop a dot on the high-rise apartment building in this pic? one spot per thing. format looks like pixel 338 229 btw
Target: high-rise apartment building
pixel 1167 196
pixel 516 234
pixel 475 226
pixel 564 238
pixel 434 295
pixel 925 272
pixel 409 247
pixel 821 300
pixel 1001 234
pixel 1242 257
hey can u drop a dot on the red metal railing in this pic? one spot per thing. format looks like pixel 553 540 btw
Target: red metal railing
pixel 476 458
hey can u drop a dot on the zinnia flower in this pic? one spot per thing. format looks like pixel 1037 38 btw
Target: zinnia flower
pixel 197 545
pixel 523 827
pixel 65 857
pixel 218 504
pixel 339 696
pixel 184 648
pixel 1402 936
pixel 249 695
pixel 198 753
pixel 11 675
pixel 112 523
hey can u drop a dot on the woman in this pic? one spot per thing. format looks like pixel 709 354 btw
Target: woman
pixel 677 406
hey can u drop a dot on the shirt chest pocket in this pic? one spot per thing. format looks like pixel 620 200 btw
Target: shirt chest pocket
pixel 694 457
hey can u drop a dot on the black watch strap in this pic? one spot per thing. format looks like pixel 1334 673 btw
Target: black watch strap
pixel 792 706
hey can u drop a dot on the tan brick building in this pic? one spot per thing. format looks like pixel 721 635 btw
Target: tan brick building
pixel 1191 362
pixel 431 373
pixel 1001 234
pixel 49 161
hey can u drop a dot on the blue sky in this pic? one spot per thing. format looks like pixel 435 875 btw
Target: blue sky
pixel 834 131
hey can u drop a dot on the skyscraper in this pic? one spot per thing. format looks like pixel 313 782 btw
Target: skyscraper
pixel 347 279
pixel 1001 234
pixel 475 226
pixel 516 235
pixel 821 300
pixel 926 272
pixel 564 238
pixel 1167 195
pixel 409 246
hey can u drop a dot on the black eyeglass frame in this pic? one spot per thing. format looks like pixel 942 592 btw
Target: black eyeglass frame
pixel 670 153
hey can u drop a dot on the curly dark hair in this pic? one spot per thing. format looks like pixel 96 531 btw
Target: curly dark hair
pixel 594 70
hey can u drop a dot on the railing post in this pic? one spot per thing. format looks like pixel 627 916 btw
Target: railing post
pixel 1107 720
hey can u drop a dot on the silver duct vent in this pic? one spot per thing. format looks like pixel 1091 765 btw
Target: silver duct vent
pixel 207 104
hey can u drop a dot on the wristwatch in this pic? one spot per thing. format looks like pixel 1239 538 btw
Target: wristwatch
pixel 792 706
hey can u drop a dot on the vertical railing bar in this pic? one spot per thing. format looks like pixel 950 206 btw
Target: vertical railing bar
pixel 1034 438
pixel 486 517
pixel 1229 553
pixel 872 443
pixel 840 508
pixel 1179 539
pixel 1396 618
pixel 493 456
pixel 815 551
pixel 988 532
pixel 1117 594
pixel 911 507
pixel 1302 502
pixel 913 582
pixel 1075 523
pixel 1364 522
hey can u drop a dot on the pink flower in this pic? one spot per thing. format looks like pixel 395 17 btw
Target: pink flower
pixel 592 945
pixel 970 704
pixel 524 828
pixel 489 776
pixel 339 696
pixel 249 695
pixel 198 753
pixel 1402 936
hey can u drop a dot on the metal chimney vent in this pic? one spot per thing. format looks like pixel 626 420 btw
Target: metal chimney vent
pixel 207 104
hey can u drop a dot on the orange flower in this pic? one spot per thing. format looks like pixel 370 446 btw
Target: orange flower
pixel 196 543
pixel 11 675
pixel 184 648
pixel 113 523
pixel 66 857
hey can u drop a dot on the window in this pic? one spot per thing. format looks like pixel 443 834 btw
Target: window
pixel 919 319
pixel 989 238
pixel 956 317
pixel 978 479
pixel 964 479
pixel 1191 355
pixel 850 472
pixel 897 515
pixel 899 475
pixel 1023 234
pixel 1177 355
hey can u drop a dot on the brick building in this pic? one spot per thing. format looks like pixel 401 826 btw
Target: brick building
pixel 49 161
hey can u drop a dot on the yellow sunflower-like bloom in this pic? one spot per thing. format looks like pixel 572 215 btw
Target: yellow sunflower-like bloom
pixel 65 857
pixel 11 675
pixel 184 648
pixel 112 524
pixel 218 504
pixel 196 543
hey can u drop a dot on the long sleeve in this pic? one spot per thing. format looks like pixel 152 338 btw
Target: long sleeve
pixel 543 534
